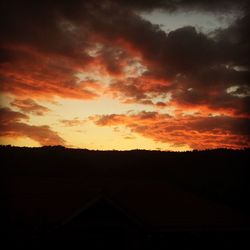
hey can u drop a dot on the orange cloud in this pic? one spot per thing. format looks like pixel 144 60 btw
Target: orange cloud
pixel 199 132
pixel 30 73
pixel 29 106
pixel 12 125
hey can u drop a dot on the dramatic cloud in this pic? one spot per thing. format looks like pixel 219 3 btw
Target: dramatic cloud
pixel 30 73
pixel 86 49
pixel 195 131
pixel 29 106
pixel 188 60
pixel 43 56
pixel 12 125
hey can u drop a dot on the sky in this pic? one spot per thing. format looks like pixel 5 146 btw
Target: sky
pixel 103 75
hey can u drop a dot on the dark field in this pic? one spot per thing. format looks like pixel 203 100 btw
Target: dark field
pixel 70 198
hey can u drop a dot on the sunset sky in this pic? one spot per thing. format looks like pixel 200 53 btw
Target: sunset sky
pixel 123 74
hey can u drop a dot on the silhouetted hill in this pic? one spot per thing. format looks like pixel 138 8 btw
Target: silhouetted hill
pixel 221 174
pixel 197 190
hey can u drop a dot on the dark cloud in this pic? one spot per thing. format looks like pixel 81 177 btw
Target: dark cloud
pixel 185 59
pixel 173 5
pixel 12 125
pixel 234 41
pixel 29 106
pixel 7 115
pixel 42 24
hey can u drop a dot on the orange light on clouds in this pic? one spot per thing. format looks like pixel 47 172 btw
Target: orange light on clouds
pixel 93 79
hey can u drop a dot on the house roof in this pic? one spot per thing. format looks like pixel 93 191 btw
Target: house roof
pixel 158 204
pixel 102 210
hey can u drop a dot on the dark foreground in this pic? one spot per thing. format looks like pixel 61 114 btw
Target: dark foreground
pixel 80 199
